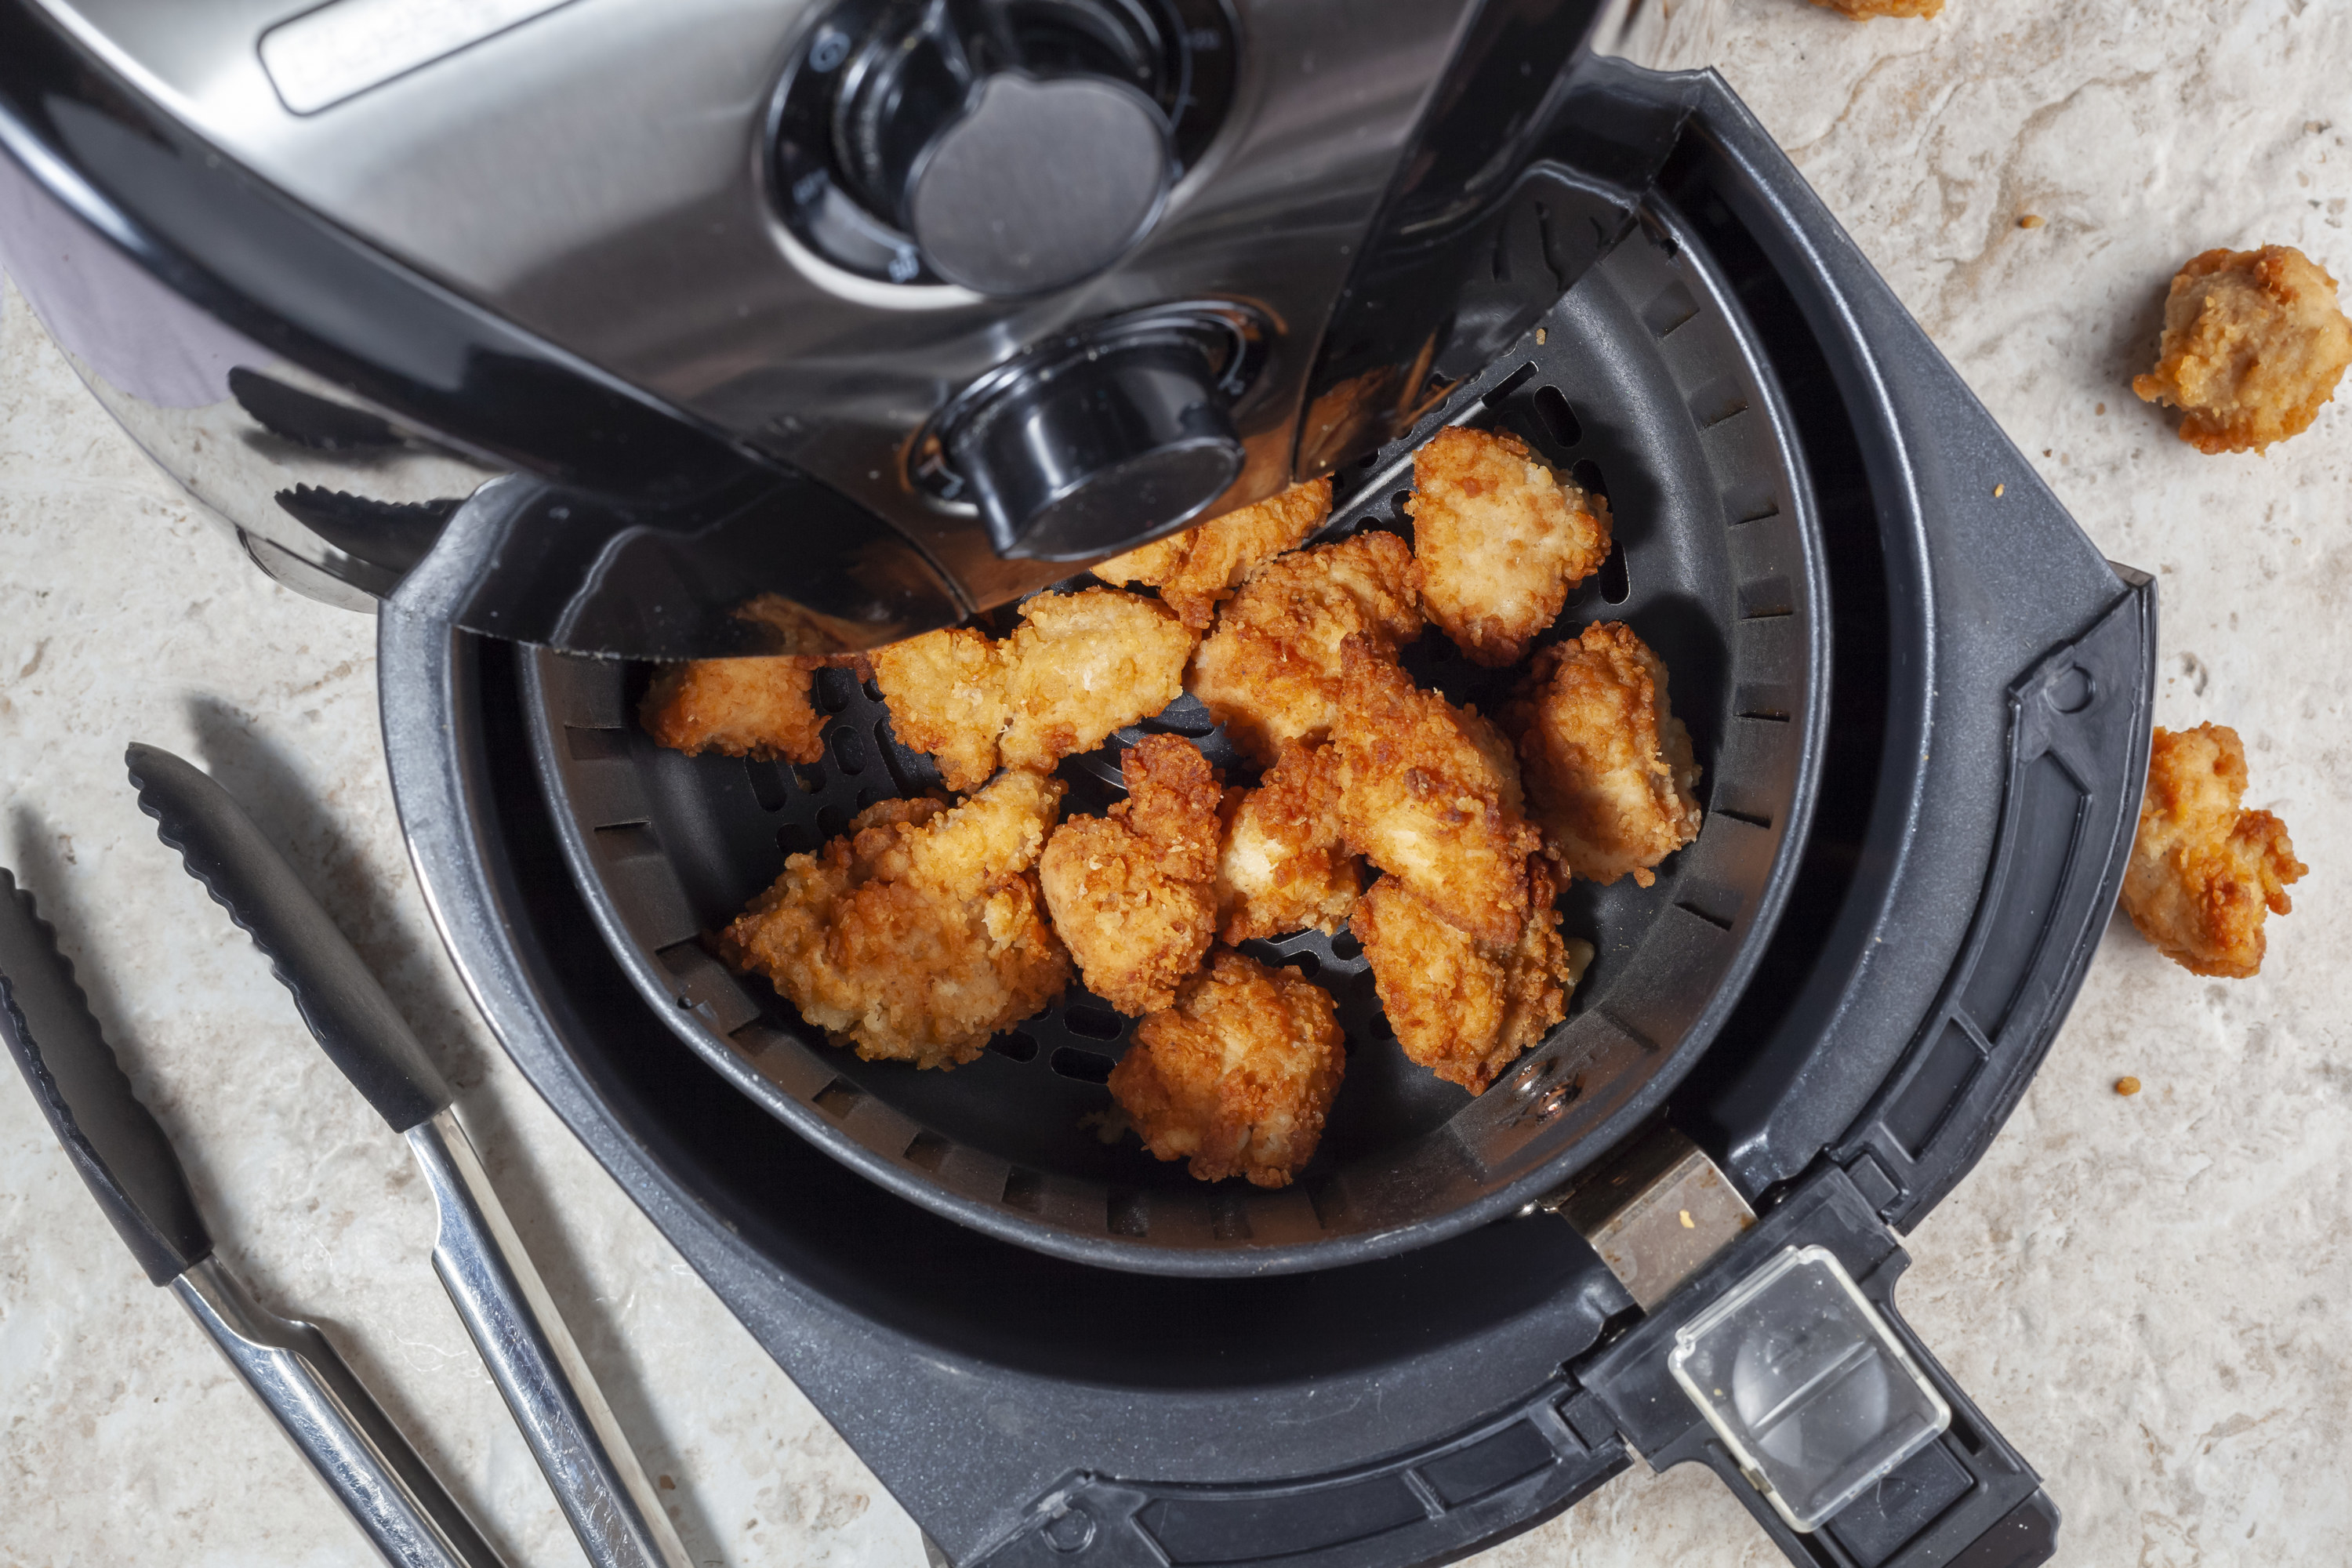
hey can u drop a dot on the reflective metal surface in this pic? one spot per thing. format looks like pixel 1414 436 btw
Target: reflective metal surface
pixel 336 1424
pixel 532 1356
pixel 598 175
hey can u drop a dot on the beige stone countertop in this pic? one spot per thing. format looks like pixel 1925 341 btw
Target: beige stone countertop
pixel 2151 1297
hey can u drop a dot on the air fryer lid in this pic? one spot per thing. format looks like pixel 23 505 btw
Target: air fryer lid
pixel 1644 382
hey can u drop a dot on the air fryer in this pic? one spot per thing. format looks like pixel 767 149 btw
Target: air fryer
pixel 565 333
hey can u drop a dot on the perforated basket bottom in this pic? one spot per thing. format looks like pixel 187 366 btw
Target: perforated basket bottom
pixel 1642 389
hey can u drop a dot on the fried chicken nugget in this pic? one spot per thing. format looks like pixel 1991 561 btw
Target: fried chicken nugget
pixel 919 933
pixel 756 707
pixel 1430 794
pixel 1078 667
pixel 1284 866
pixel 1084 664
pixel 1609 768
pixel 1462 1010
pixel 2253 344
pixel 1271 671
pixel 945 690
pixel 1501 539
pixel 1238 1075
pixel 2204 873
pixel 1197 570
pixel 1132 895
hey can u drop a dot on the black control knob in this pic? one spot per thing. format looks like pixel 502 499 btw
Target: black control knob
pixel 1102 444
pixel 1016 170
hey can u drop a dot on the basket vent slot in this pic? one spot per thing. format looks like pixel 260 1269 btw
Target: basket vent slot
pixel 1672 307
pixel 1014 1046
pixel 1025 1190
pixel 1094 1023
pixel 1559 421
pixel 928 1151
pixel 1718 401
pixel 839 1098
pixel 1088 1067
pixel 1616 584
pixel 595 745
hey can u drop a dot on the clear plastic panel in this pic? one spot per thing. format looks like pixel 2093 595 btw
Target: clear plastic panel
pixel 1801 1377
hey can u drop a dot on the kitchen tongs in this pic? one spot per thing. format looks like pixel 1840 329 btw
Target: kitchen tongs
pixel 129 1165
pixel 515 1326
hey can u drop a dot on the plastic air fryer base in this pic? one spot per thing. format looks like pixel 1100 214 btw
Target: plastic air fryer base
pixel 1988 736
pixel 1642 381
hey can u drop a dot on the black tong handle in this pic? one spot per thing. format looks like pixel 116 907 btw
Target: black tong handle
pixel 356 1024
pixel 113 1141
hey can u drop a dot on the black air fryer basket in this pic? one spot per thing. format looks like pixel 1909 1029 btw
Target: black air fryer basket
pixel 1647 381
pixel 1922 700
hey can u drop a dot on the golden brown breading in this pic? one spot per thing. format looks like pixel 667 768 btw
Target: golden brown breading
pixel 1460 1009
pixel 1084 664
pixel 919 933
pixel 2204 872
pixel 1078 667
pixel 1133 894
pixel 1271 671
pixel 945 690
pixel 1863 10
pixel 1609 767
pixel 1237 1076
pixel 1500 539
pixel 1283 867
pixel 756 707
pixel 1197 570
pixel 2254 343
pixel 1428 793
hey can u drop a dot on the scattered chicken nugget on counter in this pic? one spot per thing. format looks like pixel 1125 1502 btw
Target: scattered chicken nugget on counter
pixel 1500 539
pixel 2205 872
pixel 1609 769
pixel 1133 894
pixel 1237 1077
pixel 2253 344
pixel 1084 664
pixel 1462 1009
pixel 921 931
pixel 1271 671
pixel 1430 794
pixel 755 707
pixel 1199 569
pixel 945 691
pixel 1284 865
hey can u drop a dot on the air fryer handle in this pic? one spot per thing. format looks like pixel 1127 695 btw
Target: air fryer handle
pixel 1968 1499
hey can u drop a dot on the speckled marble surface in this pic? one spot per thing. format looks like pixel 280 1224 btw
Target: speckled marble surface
pixel 2148 1295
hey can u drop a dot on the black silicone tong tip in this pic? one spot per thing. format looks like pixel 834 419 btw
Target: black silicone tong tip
pixel 354 1021
pixel 112 1140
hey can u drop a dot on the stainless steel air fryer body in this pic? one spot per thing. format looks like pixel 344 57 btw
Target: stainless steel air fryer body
pixel 879 305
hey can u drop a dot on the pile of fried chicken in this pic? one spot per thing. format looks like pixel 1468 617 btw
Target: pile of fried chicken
pixel 932 924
